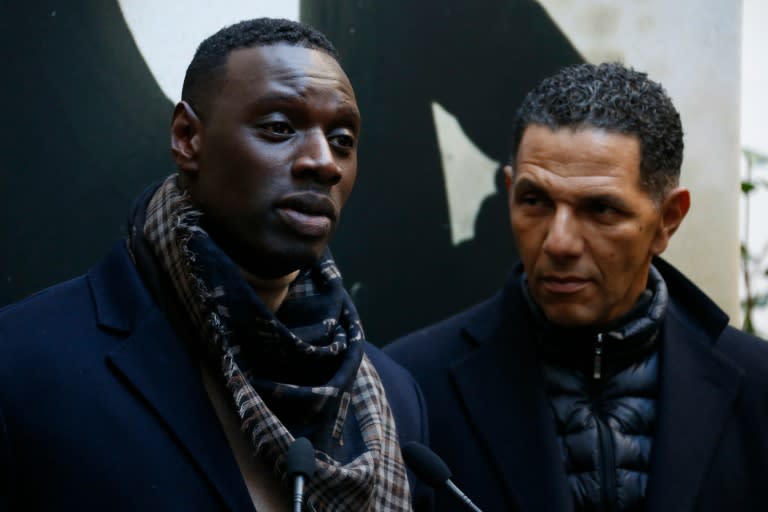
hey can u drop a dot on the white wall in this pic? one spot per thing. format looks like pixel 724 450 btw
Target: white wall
pixel 693 48
pixel 168 32
pixel 754 136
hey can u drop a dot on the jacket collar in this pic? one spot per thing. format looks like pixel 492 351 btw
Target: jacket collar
pixel 691 366
pixel 154 363
pixel 519 431
pixel 119 298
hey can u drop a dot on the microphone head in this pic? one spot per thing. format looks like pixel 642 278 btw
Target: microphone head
pixel 426 464
pixel 300 459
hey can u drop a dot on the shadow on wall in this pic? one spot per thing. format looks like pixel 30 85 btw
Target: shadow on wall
pixel 477 60
pixel 86 128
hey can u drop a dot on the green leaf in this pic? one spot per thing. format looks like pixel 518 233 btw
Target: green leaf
pixel 747 326
pixel 760 301
pixel 754 157
pixel 747 187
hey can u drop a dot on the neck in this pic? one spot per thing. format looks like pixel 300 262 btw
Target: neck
pixel 271 291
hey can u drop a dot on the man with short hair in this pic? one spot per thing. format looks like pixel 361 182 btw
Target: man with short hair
pixel 599 378
pixel 178 372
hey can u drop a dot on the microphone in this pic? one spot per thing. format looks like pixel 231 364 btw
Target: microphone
pixel 299 465
pixel 433 471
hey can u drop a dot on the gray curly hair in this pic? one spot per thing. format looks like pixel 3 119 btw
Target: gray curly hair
pixel 612 97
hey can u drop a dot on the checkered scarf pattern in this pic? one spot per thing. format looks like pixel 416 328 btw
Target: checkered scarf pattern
pixel 375 479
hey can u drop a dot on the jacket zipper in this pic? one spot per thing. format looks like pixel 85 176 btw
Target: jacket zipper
pixel 597 371
pixel 607 471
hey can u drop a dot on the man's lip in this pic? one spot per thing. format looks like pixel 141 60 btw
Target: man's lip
pixel 563 284
pixel 307 213
pixel 309 203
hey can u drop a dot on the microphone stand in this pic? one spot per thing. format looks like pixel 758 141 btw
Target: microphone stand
pixel 299 465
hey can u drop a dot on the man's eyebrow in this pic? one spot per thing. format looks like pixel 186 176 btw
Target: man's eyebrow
pixel 528 185
pixel 349 114
pixel 608 199
pixel 347 111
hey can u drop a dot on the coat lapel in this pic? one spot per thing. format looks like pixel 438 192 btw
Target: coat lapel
pixel 500 385
pixel 698 386
pixel 153 362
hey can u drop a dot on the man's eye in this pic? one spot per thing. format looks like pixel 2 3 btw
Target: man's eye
pixel 278 128
pixel 343 141
pixel 603 209
pixel 530 200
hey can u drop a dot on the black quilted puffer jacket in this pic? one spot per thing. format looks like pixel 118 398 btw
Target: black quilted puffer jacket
pixel 602 388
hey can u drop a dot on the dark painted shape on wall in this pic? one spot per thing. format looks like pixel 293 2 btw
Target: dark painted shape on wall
pixel 85 129
pixel 477 59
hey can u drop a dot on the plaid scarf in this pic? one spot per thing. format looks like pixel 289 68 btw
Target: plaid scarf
pixel 272 363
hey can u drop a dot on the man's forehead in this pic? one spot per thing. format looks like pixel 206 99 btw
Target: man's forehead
pixel 578 134
pixel 577 159
pixel 283 60
pixel 584 149
pixel 540 180
pixel 285 75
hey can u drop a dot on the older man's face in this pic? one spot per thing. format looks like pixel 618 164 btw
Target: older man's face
pixel 277 154
pixel 585 228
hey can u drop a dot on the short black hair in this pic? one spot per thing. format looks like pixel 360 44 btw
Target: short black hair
pixel 211 56
pixel 615 98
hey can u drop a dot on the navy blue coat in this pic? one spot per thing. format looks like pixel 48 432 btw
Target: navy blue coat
pixel 102 408
pixel 489 416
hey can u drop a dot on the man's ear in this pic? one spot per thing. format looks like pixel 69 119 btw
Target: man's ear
pixel 673 210
pixel 508 176
pixel 186 130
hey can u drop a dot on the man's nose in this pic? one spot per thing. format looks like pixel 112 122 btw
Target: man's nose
pixel 316 160
pixel 563 238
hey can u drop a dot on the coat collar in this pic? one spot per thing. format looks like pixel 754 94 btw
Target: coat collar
pixel 153 362
pixel 698 385
pixel 519 431
pixel 697 389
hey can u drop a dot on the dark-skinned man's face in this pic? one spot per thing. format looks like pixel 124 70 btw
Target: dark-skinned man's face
pixel 276 155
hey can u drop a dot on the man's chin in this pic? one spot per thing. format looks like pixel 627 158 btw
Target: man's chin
pixel 572 315
pixel 270 256
pixel 280 263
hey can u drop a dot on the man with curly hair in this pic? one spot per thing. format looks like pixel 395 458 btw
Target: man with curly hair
pixel 178 373
pixel 599 378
